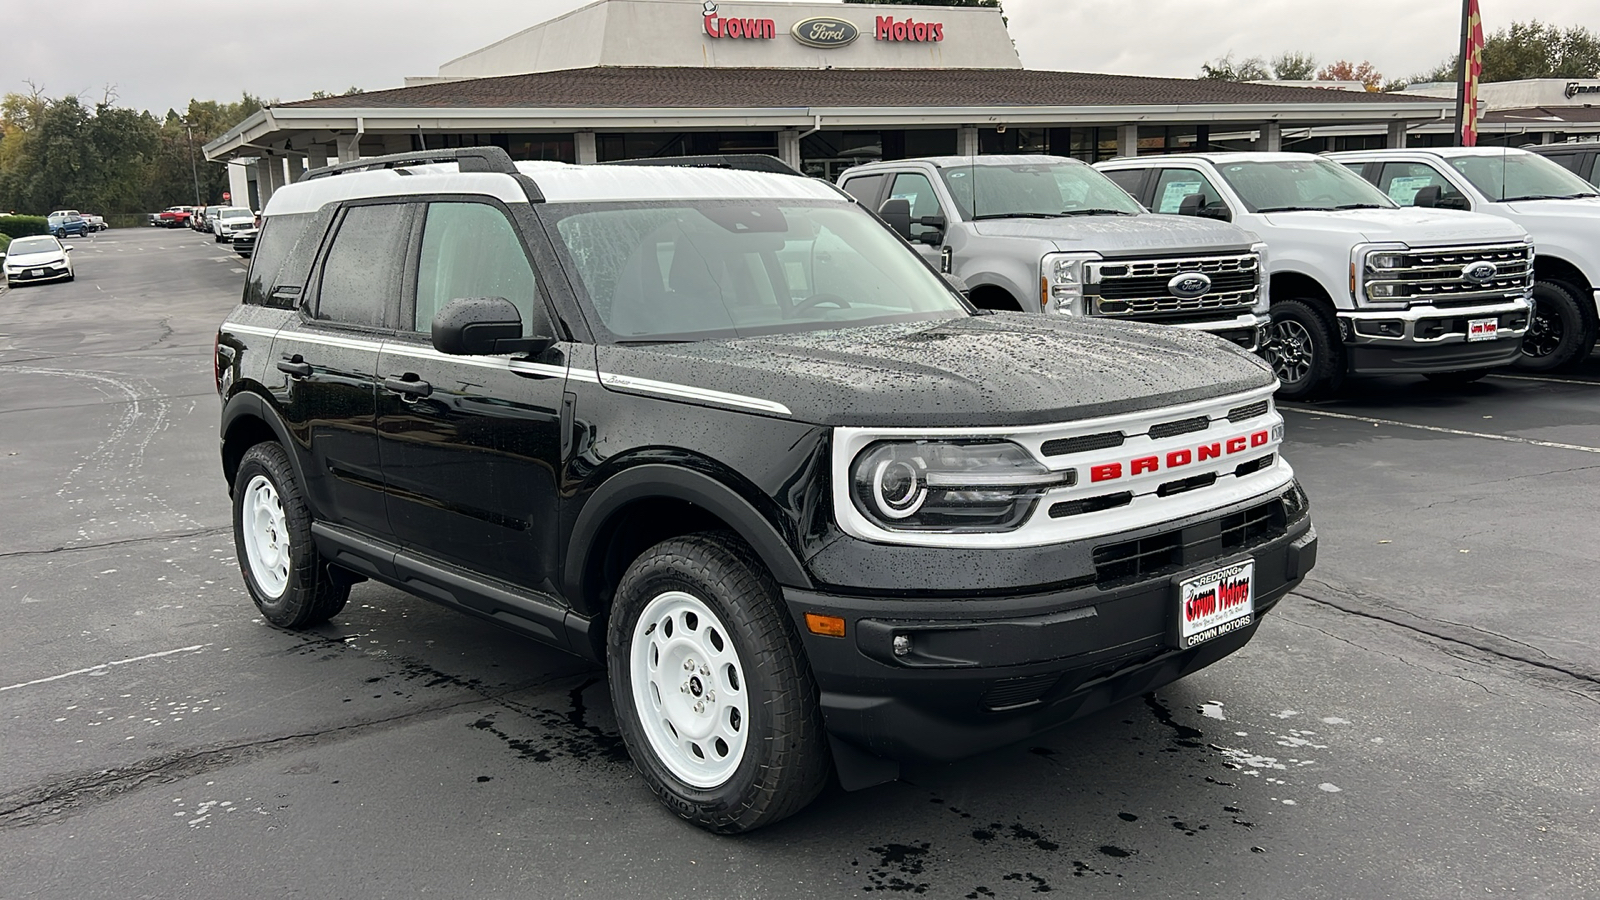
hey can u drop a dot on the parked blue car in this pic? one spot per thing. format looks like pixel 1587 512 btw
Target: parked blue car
pixel 64 224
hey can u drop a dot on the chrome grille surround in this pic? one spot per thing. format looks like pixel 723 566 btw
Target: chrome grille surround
pixel 1121 288
pixel 1434 276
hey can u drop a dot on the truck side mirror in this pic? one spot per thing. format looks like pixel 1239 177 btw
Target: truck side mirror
pixel 935 236
pixel 1428 197
pixel 482 326
pixel 1191 205
pixel 896 213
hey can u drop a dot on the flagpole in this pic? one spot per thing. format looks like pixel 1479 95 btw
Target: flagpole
pixel 1461 73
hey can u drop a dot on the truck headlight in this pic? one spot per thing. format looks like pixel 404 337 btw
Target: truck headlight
pixel 948 486
pixel 1377 274
pixel 1062 277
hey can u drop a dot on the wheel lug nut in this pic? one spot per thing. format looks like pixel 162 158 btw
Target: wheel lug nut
pixel 704 671
pixel 688 665
pixel 711 696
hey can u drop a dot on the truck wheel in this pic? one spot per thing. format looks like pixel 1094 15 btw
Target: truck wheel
pixel 1303 351
pixel 292 585
pixel 1558 336
pixel 713 693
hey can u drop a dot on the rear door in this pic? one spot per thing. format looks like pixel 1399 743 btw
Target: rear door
pixel 328 358
pixel 471 445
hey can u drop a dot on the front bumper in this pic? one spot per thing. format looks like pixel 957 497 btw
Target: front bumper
pixel 1424 339
pixel 26 276
pixel 984 672
pixel 1248 330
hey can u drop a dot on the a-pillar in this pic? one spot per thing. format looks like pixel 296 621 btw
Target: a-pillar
pixel 316 156
pixel 1127 140
pixel 789 147
pixel 348 146
pixel 1396 139
pixel 967 141
pixel 584 150
pixel 1271 139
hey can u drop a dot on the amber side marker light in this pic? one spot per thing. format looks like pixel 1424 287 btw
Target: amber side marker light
pixel 827 626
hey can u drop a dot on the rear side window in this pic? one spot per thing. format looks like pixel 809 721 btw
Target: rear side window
pixel 1130 180
pixel 471 250
pixel 278 237
pixel 865 188
pixel 361 271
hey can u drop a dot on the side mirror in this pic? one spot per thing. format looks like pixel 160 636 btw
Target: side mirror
pixel 896 213
pixel 934 237
pixel 1218 211
pixel 483 326
pixel 1428 197
pixel 67 247
pixel 1456 202
pixel 1191 205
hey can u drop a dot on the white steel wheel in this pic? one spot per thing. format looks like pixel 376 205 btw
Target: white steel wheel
pixel 689 689
pixel 265 530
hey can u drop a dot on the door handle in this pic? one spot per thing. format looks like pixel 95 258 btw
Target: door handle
pixel 411 389
pixel 295 367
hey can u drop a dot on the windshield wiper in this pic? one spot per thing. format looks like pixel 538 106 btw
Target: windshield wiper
pixel 1273 209
pixel 1098 212
pixel 1532 197
pixel 1360 206
pixel 1017 215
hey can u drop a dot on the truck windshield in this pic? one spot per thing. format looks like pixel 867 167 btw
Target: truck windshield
pixel 703 269
pixel 1035 191
pixel 1521 176
pixel 1292 185
pixel 236 212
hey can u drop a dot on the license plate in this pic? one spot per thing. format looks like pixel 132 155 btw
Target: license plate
pixel 1216 603
pixel 1483 329
pixel 35 273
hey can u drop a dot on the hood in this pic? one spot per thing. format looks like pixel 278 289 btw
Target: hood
pixel 1407 225
pixel 1585 210
pixel 1114 235
pixel 36 259
pixel 978 371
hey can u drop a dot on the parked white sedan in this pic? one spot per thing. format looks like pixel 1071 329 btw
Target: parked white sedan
pixel 40 258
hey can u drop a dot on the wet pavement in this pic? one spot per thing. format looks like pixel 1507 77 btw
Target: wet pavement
pixel 1419 720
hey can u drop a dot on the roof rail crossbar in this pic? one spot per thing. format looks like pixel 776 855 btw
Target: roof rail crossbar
pixel 744 162
pixel 470 159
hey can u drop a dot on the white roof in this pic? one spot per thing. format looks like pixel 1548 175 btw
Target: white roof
pixel 558 182
pixel 1443 152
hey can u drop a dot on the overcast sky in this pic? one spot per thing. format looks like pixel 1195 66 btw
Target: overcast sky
pixel 156 54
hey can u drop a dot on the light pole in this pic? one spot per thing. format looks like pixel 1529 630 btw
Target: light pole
pixel 192 169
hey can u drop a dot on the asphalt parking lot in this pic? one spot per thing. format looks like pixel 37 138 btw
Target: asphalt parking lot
pixel 1418 721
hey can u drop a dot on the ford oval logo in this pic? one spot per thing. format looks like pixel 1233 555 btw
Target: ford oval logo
pixel 1189 285
pixel 1480 272
pixel 826 32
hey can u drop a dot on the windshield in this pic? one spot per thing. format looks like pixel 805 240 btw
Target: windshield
pixel 1521 176
pixel 1035 190
pixel 235 212
pixel 1300 184
pixel 689 270
pixel 22 246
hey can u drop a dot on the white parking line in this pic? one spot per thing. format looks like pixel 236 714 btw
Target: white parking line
pixel 1477 434
pixel 120 662
pixel 1543 378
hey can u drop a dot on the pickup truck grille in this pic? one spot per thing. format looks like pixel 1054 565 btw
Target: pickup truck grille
pixel 1437 276
pixel 1140 287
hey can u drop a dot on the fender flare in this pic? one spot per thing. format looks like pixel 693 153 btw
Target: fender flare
pixel 248 403
pixel 650 480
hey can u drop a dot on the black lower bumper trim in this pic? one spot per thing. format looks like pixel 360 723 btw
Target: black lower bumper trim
pixel 1398 359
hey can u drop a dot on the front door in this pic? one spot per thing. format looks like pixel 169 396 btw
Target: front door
pixel 471 445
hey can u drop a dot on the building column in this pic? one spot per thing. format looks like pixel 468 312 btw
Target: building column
pixel 789 147
pixel 239 184
pixel 1202 138
pixel 1271 140
pixel 1396 139
pixel 1127 140
pixel 269 177
pixel 583 147
pixel 348 146
pixel 316 156
pixel 297 167
pixel 967 140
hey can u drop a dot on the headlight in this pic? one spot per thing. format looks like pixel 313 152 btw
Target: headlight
pixel 952 487
pixel 1380 261
pixel 1061 281
pixel 1376 275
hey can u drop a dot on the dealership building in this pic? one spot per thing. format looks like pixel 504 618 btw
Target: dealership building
pixel 823 86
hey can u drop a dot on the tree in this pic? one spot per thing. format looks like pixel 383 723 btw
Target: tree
pixel 1294 66
pixel 1536 50
pixel 1345 70
pixel 1224 68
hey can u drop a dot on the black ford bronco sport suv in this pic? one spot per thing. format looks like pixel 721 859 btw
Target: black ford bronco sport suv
pixel 726 434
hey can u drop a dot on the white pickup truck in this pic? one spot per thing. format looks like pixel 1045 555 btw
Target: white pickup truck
pixel 1358 284
pixel 1560 210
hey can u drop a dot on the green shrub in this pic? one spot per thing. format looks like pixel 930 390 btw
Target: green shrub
pixel 5 241
pixel 23 226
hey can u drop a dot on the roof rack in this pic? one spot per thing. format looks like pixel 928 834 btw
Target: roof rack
pixel 471 159
pixel 744 162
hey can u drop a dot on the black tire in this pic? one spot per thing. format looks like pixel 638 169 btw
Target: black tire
pixel 786 761
pixel 1559 335
pixel 314 591
pixel 1304 350
pixel 1456 378
pixel 217 239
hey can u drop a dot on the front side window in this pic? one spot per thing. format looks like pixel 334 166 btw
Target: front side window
pixel 471 250
pixel 1176 185
pixel 1521 176
pixel 1300 184
pixel 865 188
pixel 915 188
pixel 361 273
pixel 691 270
pixel 1044 190
pixel 1402 181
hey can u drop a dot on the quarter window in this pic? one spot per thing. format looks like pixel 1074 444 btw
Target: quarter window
pixel 471 250
pixel 865 188
pixel 361 274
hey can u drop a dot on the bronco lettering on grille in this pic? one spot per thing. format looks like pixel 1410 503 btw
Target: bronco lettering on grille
pixel 1175 459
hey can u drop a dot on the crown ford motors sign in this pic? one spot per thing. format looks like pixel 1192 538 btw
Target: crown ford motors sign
pixel 825 32
pixel 747 29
